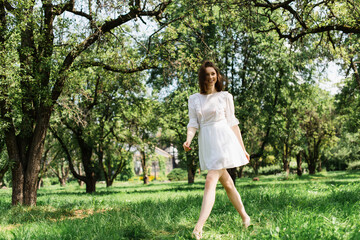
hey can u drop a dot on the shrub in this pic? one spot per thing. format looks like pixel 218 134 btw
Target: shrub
pixel 353 166
pixel 177 174
pixel 46 182
pixel 271 169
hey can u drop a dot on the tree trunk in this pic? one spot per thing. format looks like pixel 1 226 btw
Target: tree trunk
pixel 311 166
pixel 298 164
pixel 62 181
pixel 80 182
pixel 86 155
pixel 34 159
pixel 17 184
pixel 240 172
pixel 319 167
pixel 2 173
pixel 64 174
pixel 90 183
pixel 191 175
pixel 191 168
pixel 40 183
pixel 232 173
pixel 286 168
pixel 109 182
pixel 144 167
pixel 90 178
pixel 256 166
pixel 285 161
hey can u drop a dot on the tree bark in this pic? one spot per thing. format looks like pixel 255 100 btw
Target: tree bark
pixel 191 168
pixel 286 162
pixel 319 168
pixel 312 168
pixel 232 173
pixel 61 173
pixel 298 164
pixel 191 175
pixel 80 182
pixel 286 168
pixel 17 184
pixel 79 175
pixel 34 160
pixel 90 177
pixel 144 167
pixel 17 168
pixel 240 172
pixel 3 171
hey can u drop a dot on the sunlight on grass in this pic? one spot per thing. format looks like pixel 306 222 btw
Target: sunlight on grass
pixel 324 206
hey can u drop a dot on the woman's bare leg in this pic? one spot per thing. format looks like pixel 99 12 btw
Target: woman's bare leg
pixel 234 197
pixel 209 197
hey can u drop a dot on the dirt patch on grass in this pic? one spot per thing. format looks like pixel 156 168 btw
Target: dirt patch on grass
pixel 9 227
pixel 52 214
pixel 78 214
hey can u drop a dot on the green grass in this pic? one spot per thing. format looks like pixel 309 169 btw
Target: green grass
pixel 324 206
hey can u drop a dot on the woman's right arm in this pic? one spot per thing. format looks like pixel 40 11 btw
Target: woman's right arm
pixel 192 126
pixel 189 137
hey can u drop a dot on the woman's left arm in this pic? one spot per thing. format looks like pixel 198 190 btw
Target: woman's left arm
pixel 233 121
pixel 237 132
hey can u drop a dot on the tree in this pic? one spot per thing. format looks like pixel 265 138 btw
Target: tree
pixel 42 75
pixel 347 107
pixel 308 17
pixel 174 122
pixel 318 127
pixel 5 165
pixel 334 22
pixel 61 170
pixel 286 139
pixel 144 126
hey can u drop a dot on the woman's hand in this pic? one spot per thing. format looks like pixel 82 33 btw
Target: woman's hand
pixel 186 146
pixel 247 156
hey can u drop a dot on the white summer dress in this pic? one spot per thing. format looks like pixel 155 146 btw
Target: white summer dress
pixel 213 115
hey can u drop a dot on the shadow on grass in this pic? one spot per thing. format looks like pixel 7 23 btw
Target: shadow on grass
pixel 146 220
pixel 175 216
pixel 193 187
pixel 168 219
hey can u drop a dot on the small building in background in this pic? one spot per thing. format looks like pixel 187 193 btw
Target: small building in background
pixel 174 155
pixel 155 162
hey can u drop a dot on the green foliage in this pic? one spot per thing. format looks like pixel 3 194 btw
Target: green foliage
pixel 281 110
pixel 128 171
pixel 353 166
pixel 177 174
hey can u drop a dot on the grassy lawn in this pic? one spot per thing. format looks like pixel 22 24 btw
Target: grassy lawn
pixel 324 206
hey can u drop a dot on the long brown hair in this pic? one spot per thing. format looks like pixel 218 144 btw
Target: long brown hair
pixel 202 77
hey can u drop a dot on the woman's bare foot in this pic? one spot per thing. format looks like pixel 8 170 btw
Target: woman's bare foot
pixel 196 234
pixel 246 222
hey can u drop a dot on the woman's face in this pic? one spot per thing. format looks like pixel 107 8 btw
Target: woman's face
pixel 211 77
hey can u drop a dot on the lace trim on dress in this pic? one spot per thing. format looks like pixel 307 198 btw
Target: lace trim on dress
pixel 196 103
pixel 221 107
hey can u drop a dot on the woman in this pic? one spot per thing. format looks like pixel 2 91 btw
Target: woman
pixel 220 142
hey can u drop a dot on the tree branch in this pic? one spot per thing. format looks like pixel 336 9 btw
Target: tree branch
pixel 293 36
pixel 356 72
pixel 106 27
pixel 68 156
pixel 9 7
pixel 140 68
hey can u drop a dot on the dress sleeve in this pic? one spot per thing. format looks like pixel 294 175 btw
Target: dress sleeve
pixel 193 121
pixel 230 111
